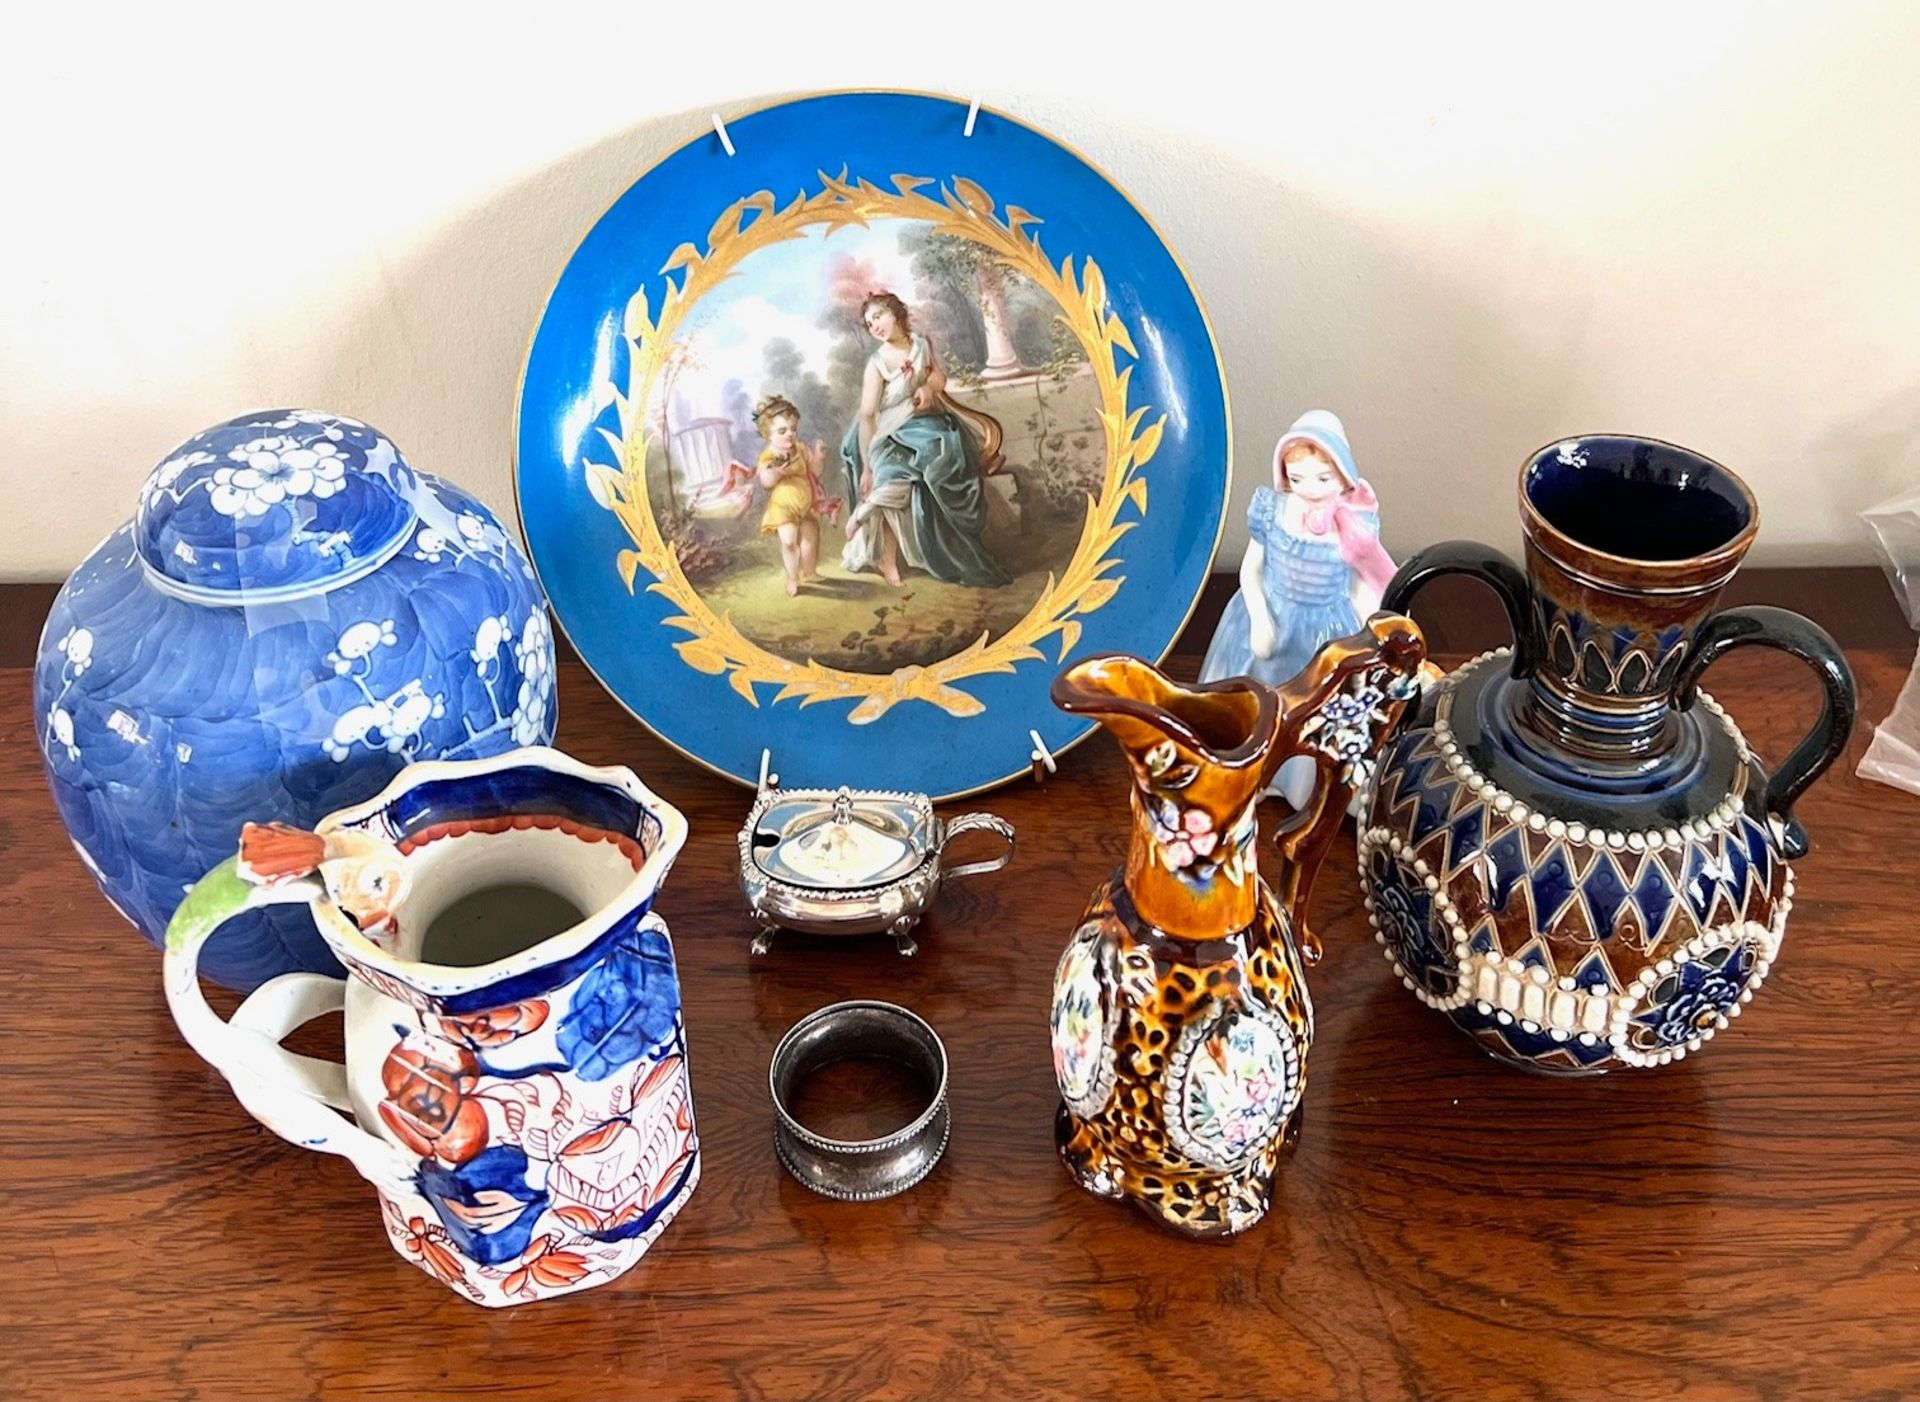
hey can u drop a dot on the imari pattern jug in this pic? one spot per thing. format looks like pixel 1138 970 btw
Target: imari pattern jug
pixel 515 1085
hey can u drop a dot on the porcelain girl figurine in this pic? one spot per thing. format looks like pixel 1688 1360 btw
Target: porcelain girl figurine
pixel 1314 566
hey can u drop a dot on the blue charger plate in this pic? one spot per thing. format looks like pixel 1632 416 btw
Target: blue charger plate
pixel 1051 482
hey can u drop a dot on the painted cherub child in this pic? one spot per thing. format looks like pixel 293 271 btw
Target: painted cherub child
pixel 789 471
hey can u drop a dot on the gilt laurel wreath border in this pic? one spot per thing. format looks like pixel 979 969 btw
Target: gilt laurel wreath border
pixel 716 647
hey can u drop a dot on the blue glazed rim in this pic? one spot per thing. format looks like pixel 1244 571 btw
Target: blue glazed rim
pixel 869 752
pixel 554 960
pixel 1548 474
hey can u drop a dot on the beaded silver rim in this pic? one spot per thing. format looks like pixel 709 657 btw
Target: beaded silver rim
pixel 798 1170
pixel 860 1170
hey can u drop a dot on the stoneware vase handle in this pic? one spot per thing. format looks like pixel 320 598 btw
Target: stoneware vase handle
pixel 300 1098
pixel 1778 628
pixel 985 822
pixel 1477 561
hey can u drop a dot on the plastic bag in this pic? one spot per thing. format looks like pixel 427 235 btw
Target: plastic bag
pixel 1893 757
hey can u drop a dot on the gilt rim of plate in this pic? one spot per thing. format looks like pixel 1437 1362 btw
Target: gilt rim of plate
pixel 967 111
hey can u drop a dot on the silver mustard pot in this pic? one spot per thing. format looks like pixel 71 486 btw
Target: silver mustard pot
pixel 850 861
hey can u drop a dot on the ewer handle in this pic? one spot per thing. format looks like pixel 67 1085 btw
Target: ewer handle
pixel 1340 711
pixel 300 1098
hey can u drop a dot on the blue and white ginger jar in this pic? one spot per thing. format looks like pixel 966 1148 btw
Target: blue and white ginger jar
pixel 292 616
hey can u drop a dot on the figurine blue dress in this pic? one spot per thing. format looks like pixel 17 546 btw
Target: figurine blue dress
pixel 1312 571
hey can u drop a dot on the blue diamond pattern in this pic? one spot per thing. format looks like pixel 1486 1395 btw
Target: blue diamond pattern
pixel 1606 892
pixel 1469 835
pixel 1432 799
pixel 1593 970
pixel 1509 865
pixel 1737 863
pixel 1654 895
pixel 1412 769
pixel 1552 888
pixel 1700 888
pixel 1429 813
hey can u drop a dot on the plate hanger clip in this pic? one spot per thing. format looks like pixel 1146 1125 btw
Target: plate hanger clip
pixel 1043 761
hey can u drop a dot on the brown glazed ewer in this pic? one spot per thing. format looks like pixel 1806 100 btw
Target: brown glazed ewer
pixel 1181 1020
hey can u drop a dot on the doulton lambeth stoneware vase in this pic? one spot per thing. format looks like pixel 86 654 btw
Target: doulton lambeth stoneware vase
pixel 1181 1021
pixel 291 616
pixel 1572 851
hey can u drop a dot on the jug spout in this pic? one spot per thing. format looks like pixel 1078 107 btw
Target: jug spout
pixel 1229 723
pixel 1200 756
pixel 362 873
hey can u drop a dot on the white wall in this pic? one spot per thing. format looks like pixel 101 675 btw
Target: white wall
pixel 1469 229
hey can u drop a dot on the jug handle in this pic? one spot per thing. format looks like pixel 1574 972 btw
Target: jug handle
pixel 985 822
pixel 1765 626
pixel 1477 561
pixel 299 1098
pixel 1303 840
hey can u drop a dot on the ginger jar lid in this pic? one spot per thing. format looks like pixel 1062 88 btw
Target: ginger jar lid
pixel 273 505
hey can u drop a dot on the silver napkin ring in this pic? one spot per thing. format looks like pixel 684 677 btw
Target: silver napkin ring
pixel 861 1170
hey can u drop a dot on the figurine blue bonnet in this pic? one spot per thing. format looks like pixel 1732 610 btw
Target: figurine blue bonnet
pixel 1314 566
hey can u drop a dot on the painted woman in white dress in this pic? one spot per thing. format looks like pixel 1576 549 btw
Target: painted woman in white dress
pixel 916 463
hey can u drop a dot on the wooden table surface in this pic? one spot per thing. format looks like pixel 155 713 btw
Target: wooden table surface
pixel 1740 1225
